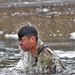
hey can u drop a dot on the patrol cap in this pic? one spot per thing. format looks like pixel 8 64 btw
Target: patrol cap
pixel 27 30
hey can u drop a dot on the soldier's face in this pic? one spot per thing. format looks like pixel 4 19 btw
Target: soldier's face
pixel 25 43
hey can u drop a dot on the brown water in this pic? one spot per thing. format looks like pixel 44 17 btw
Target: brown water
pixel 55 22
pixel 54 25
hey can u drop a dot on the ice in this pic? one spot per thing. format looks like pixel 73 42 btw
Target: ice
pixel 1 32
pixel 11 36
pixel 57 30
pixel 72 35
pixel 74 20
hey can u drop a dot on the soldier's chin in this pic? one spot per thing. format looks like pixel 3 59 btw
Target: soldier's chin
pixel 24 49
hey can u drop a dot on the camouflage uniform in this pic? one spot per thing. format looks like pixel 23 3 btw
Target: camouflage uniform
pixel 48 61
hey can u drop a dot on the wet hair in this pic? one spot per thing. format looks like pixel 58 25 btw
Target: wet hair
pixel 27 31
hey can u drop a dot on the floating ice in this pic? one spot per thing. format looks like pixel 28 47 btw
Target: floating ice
pixel 45 10
pixel 54 34
pixel 1 32
pixel 57 30
pixel 74 20
pixel 60 34
pixel 16 13
pixel 4 13
pixel 72 35
pixel 11 36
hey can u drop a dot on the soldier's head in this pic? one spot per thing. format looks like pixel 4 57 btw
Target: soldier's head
pixel 27 37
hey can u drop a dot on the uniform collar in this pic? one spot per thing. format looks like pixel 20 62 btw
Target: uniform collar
pixel 40 44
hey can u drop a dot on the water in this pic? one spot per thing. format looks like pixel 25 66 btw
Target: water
pixel 54 24
pixel 9 56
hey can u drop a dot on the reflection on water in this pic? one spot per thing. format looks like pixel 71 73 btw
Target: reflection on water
pixel 54 24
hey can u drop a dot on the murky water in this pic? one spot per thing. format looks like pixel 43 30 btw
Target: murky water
pixel 54 24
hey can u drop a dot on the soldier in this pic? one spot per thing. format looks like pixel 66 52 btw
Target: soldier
pixel 37 57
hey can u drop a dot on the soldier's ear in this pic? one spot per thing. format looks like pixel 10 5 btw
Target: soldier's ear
pixel 32 39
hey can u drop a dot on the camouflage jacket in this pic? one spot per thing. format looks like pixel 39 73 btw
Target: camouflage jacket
pixel 47 61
